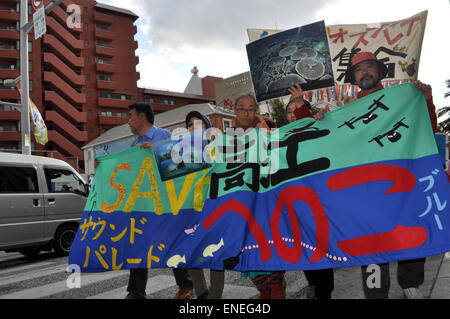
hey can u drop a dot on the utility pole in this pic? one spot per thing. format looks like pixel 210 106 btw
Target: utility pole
pixel 24 80
pixel 25 28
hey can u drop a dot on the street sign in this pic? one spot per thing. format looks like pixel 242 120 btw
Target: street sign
pixel 36 4
pixel 40 27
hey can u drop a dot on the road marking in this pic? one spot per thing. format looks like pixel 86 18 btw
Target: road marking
pixel 20 268
pixel 61 286
pixel 31 275
pixel 154 284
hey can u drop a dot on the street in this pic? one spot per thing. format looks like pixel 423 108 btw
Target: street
pixel 46 277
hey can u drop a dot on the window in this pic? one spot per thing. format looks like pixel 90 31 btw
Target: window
pixel 63 181
pixel 18 180
pixel 104 78
pixel 86 26
pixel 86 43
pixel 226 124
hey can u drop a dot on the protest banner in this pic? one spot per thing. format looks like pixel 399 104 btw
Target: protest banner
pixel 398 44
pixel 363 186
pixel 299 55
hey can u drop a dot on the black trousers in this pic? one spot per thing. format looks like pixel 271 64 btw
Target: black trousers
pixel 410 274
pixel 182 278
pixel 137 281
pixel 323 279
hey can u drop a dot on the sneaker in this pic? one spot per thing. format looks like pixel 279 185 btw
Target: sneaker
pixel 183 293
pixel 412 293
pixel 310 292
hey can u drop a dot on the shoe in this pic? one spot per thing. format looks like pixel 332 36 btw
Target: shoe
pixel 204 295
pixel 310 292
pixel 134 296
pixel 183 293
pixel 412 293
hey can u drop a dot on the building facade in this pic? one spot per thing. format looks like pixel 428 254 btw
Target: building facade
pixel 82 74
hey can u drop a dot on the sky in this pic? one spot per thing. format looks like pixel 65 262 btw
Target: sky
pixel 174 36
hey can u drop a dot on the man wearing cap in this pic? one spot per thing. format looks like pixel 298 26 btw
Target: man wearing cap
pixel 366 71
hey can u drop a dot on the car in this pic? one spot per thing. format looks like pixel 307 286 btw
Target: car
pixel 41 203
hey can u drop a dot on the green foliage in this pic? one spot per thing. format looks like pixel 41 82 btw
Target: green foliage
pixel 278 112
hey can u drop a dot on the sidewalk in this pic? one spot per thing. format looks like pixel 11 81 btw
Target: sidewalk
pixel 347 281
pixel 441 289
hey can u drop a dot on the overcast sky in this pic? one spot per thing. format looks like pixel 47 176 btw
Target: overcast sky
pixel 176 35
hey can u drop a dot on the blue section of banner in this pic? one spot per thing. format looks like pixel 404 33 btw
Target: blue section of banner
pixel 393 223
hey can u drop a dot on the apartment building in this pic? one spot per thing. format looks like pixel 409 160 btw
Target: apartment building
pixel 82 75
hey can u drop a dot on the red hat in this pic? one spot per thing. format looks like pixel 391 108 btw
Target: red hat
pixel 361 57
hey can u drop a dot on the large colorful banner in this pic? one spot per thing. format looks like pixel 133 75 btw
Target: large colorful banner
pixel 398 44
pixel 364 185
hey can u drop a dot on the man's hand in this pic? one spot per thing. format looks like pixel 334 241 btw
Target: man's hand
pixel 146 145
pixel 297 95
pixel 425 88
pixel 321 114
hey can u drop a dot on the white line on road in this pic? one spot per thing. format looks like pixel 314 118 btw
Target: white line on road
pixel 61 286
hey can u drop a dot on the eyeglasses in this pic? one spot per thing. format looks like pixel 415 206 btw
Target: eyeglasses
pixel 248 111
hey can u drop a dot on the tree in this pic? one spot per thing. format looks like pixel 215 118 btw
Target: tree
pixel 278 112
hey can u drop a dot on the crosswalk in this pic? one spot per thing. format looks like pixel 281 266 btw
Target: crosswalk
pixel 50 280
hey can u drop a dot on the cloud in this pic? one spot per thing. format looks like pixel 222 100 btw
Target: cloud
pixel 176 35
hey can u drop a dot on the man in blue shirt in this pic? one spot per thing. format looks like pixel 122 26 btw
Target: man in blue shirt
pixel 141 119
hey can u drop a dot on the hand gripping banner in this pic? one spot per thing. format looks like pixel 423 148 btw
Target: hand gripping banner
pixel 365 185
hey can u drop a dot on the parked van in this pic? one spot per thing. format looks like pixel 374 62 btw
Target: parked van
pixel 41 203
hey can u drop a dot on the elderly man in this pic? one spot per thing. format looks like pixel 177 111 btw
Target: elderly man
pixel 367 71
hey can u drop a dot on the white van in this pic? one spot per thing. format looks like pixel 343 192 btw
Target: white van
pixel 41 203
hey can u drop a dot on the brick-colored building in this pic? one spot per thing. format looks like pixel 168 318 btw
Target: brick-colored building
pixel 82 78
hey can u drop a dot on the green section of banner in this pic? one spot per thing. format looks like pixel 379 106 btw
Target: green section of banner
pixel 387 125
pixel 130 181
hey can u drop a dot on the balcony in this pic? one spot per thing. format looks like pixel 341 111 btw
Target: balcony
pixel 65 107
pixel 107 85
pixel 103 34
pixel 11 54
pixel 7 15
pixel 63 34
pixel 64 88
pixel 112 120
pixel 62 51
pixel 103 18
pixel 61 16
pixel 65 125
pixel 9 115
pixel 9 94
pixel 10 136
pixel 9 34
pixel 105 102
pixel 65 145
pixel 64 70
pixel 105 68
pixel 9 73
pixel 104 51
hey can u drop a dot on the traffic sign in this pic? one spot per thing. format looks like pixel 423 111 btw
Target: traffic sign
pixel 36 4
pixel 40 27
